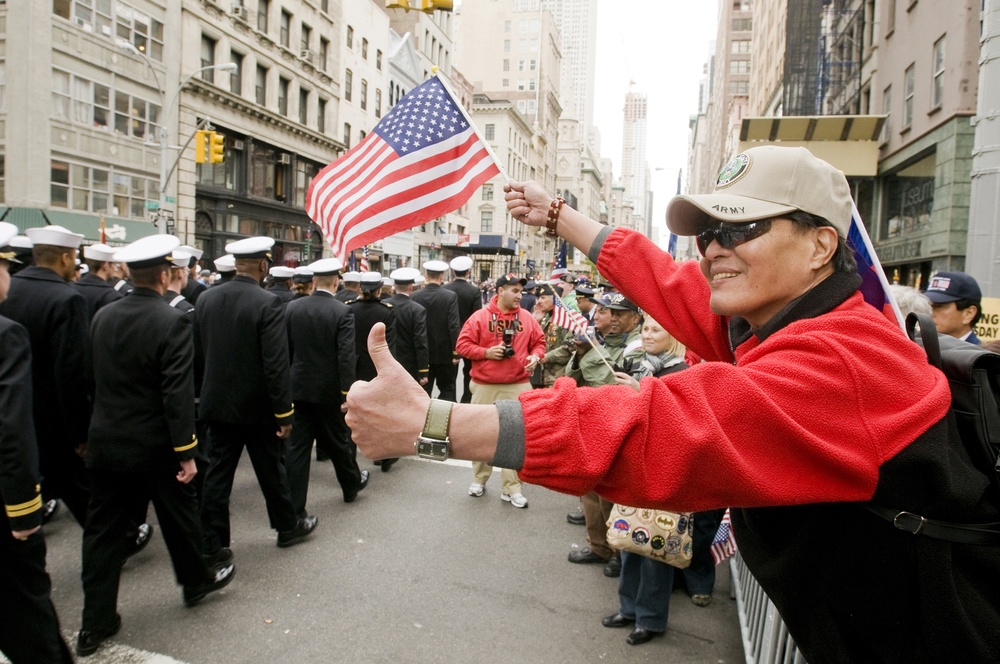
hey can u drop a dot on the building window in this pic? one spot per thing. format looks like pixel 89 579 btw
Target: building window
pixel 348 85
pixel 350 37
pixel 321 116
pixel 520 65
pixel 347 135
pixel 236 77
pixel 505 83
pixel 486 221
pixel 506 64
pixel 263 7
pixel 490 131
pixel 208 58
pixel 364 95
pixel 378 103
pixel 364 48
pixel 739 87
pixel 378 60
pixel 79 187
pixel 304 173
pixel 306 40
pixel 742 25
pixel 908 79
pixel 739 66
pixel 303 106
pixel 890 20
pixel 324 6
pixel 937 86
pixel 135 27
pixel 488 191
pixel 324 52
pixel 94 105
pixel 260 82
pixel 506 46
pixel 741 46
pixel 887 111
pixel 285 28
pixel 506 26
pixel 282 95
pixel 3 87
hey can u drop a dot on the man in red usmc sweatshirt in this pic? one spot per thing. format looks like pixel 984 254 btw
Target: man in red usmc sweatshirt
pixel 504 343
pixel 810 405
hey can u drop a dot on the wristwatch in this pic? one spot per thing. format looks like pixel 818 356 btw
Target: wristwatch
pixel 433 441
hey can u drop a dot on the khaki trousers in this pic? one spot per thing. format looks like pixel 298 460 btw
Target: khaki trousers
pixel 487 393
pixel 596 512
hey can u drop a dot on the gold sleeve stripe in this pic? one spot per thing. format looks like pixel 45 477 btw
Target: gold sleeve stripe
pixel 185 448
pixel 288 414
pixel 344 392
pixel 24 509
pixel 424 371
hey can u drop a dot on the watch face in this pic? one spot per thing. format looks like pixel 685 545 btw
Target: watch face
pixel 432 449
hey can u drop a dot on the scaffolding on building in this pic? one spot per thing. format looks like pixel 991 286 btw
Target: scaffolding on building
pixel 841 52
pixel 803 64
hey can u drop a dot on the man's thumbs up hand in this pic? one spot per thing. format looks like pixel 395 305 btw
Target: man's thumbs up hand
pixel 386 415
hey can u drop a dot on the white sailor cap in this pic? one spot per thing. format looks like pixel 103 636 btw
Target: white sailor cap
pixel 180 259
pixel 387 281
pixel 326 267
pixel 55 236
pixel 281 272
pixel 99 252
pixel 436 266
pixel 371 280
pixel 21 242
pixel 461 264
pixel 404 275
pixel 252 247
pixel 353 277
pixel 303 275
pixel 191 251
pixel 83 269
pixel 419 280
pixel 148 251
pixel 8 232
pixel 225 263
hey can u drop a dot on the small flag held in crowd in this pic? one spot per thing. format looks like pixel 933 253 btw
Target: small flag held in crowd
pixel 422 160
pixel 874 285
pixel 365 265
pixel 566 318
pixel 724 543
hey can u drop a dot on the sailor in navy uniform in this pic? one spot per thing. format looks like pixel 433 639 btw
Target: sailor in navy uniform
pixel 192 288
pixel 246 396
pixel 94 285
pixel 322 348
pixel 443 326
pixel 410 348
pixel 30 631
pixel 351 282
pixel 226 267
pixel 302 282
pixel 470 299
pixel 142 441
pixel 281 281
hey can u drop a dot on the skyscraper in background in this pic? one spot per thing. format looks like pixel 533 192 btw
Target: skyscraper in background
pixel 577 23
pixel 635 170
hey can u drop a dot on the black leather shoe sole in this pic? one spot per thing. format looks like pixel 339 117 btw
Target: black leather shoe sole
pixel 302 529
pixel 614 568
pixel 143 534
pixel 220 558
pixel 585 557
pixel 617 620
pixel 88 642
pixel 350 497
pixel 387 464
pixel 640 636
pixel 223 576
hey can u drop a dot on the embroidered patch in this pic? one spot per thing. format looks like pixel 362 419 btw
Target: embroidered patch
pixel 640 536
pixel 734 170
pixel 665 521
pixel 620 527
pixel 657 542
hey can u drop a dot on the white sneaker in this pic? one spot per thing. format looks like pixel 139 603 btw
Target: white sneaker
pixel 476 490
pixel 515 499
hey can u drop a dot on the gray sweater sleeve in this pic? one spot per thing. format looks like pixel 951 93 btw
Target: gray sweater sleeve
pixel 510 442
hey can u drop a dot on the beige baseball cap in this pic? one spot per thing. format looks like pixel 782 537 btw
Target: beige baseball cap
pixel 765 182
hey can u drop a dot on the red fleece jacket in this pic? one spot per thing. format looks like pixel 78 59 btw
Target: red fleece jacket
pixel 806 416
pixel 484 330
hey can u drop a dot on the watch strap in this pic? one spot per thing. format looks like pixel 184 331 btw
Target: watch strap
pixel 438 419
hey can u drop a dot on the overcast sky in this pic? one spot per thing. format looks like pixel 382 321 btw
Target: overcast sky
pixel 662 46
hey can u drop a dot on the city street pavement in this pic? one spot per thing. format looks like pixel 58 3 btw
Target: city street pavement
pixel 414 571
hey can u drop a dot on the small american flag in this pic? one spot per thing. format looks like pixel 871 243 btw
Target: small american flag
pixel 723 544
pixel 567 318
pixel 874 285
pixel 365 266
pixel 422 160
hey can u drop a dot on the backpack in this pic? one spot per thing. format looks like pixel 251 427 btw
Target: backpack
pixel 974 378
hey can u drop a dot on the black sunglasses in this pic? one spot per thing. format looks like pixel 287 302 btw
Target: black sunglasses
pixel 730 235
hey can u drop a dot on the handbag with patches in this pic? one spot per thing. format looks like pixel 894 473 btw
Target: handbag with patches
pixel 656 534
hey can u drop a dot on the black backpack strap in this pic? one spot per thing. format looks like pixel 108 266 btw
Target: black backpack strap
pixel 928 335
pixel 973 533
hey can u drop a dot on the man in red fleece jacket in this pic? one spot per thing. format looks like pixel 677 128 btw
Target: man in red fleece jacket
pixel 504 343
pixel 809 405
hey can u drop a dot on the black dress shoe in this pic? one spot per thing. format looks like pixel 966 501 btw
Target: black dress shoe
pixel 585 556
pixel 349 496
pixel 387 464
pixel 143 534
pixel 49 510
pixel 87 642
pixel 641 635
pixel 221 576
pixel 302 528
pixel 576 518
pixel 220 558
pixel 617 620
pixel 614 567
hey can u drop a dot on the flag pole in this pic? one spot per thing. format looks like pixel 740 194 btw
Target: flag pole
pixel 589 338
pixel 436 71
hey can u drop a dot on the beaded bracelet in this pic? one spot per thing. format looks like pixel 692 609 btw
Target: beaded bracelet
pixel 553 218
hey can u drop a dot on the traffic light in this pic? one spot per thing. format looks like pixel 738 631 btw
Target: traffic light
pixel 216 147
pixel 201 146
pixel 398 4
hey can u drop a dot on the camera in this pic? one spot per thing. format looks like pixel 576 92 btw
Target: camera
pixel 508 341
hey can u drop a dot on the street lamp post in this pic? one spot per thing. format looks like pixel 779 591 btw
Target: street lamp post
pixel 163 131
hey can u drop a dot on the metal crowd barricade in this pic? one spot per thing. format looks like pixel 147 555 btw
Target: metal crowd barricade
pixel 765 638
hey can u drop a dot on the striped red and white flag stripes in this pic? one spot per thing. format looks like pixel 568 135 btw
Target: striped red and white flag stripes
pixel 422 160
pixel 566 318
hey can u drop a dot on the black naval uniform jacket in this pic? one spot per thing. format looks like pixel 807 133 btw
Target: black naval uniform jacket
pixel 241 330
pixel 321 345
pixel 144 398
pixel 366 314
pixel 19 478
pixel 284 293
pixel 346 296
pixel 443 323
pixel 55 316
pixel 411 335
pixel 96 291
pixel 470 298
pixel 193 290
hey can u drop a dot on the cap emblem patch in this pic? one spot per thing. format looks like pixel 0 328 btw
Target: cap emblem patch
pixel 734 170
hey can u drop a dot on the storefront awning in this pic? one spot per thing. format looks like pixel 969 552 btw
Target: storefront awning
pixel 849 142
pixel 480 243
pixel 119 232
